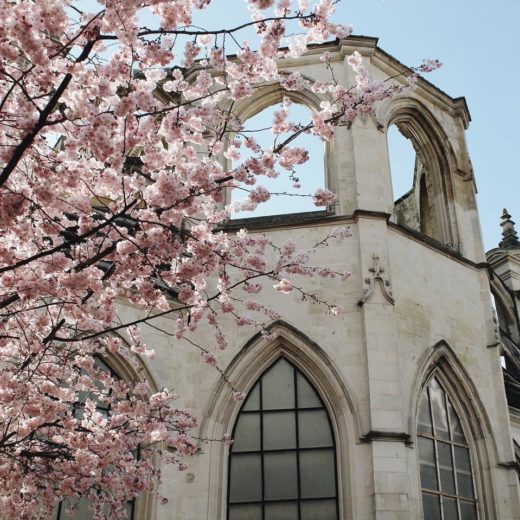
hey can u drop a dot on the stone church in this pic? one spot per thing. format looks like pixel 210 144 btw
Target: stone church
pixel 407 404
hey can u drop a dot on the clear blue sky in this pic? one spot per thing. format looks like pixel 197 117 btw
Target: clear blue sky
pixel 479 43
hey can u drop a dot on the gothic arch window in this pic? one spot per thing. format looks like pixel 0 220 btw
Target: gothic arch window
pixel 83 511
pixel 292 190
pixel 412 182
pixel 402 158
pixel 447 482
pixel 421 163
pixel 282 463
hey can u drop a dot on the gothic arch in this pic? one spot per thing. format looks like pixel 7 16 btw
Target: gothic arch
pixel 441 362
pixel 504 302
pixel 128 372
pixel 434 151
pixel 271 94
pixel 248 365
pixel 145 504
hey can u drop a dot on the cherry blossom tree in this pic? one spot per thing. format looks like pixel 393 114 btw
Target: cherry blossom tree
pixel 115 145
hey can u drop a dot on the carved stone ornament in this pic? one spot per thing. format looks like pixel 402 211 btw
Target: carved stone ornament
pixel 376 275
pixel 496 326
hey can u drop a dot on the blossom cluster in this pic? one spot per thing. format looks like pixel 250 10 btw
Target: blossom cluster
pixel 113 188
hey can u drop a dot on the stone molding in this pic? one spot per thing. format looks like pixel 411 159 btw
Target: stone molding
pixel 376 274
pixel 256 356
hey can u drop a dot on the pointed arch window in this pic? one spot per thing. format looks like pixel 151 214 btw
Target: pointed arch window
pixel 284 185
pixel 447 483
pixel 282 463
pixel 82 505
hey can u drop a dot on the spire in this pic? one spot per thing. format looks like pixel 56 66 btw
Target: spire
pixel 509 234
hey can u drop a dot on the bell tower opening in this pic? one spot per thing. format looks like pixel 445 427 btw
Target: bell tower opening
pixel 290 188
pixel 419 168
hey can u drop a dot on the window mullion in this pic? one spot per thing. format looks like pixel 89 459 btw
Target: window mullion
pixel 297 444
pixel 262 473
pixel 452 451
pixel 436 453
pixel 438 471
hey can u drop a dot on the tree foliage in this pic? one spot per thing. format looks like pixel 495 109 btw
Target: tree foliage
pixel 116 141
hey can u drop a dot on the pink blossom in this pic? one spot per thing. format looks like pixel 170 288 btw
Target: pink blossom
pixel 429 65
pixel 118 203
pixel 324 197
pixel 141 389
pixel 239 396
pixel 283 286
pixel 259 194
pixel 209 358
pixel 294 81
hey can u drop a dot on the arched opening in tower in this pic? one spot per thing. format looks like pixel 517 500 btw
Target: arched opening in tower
pixel 411 181
pixel 290 188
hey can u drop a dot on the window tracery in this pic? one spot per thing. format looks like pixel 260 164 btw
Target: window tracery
pixel 283 459
pixel 447 483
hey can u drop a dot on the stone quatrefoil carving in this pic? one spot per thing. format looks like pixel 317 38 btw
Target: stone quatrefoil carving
pixel 376 275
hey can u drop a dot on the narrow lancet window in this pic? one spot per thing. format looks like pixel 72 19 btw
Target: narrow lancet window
pixel 283 458
pixel 448 488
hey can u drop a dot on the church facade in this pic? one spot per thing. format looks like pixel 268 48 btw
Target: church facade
pixel 396 408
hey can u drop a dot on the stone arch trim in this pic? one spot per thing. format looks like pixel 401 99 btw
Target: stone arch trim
pixel 432 144
pixel 146 502
pixel 504 299
pixel 441 362
pixel 272 93
pixel 248 365
pixel 128 372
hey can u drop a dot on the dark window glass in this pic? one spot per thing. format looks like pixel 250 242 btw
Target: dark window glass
pixel 444 459
pixel 279 472
pixel 279 430
pixel 281 510
pixel 245 512
pixel 247 432
pixel 449 507
pixel 468 511
pixel 283 458
pixel 431 507
pixel 319 510
pixel 246 477
pixel 427 463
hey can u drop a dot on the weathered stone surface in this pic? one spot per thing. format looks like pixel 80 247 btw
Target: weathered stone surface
pixel 371 363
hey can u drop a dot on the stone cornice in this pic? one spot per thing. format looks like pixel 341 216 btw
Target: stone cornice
pixel 386 436
pixel 499 257
pixel 326 218
pixel 368 46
